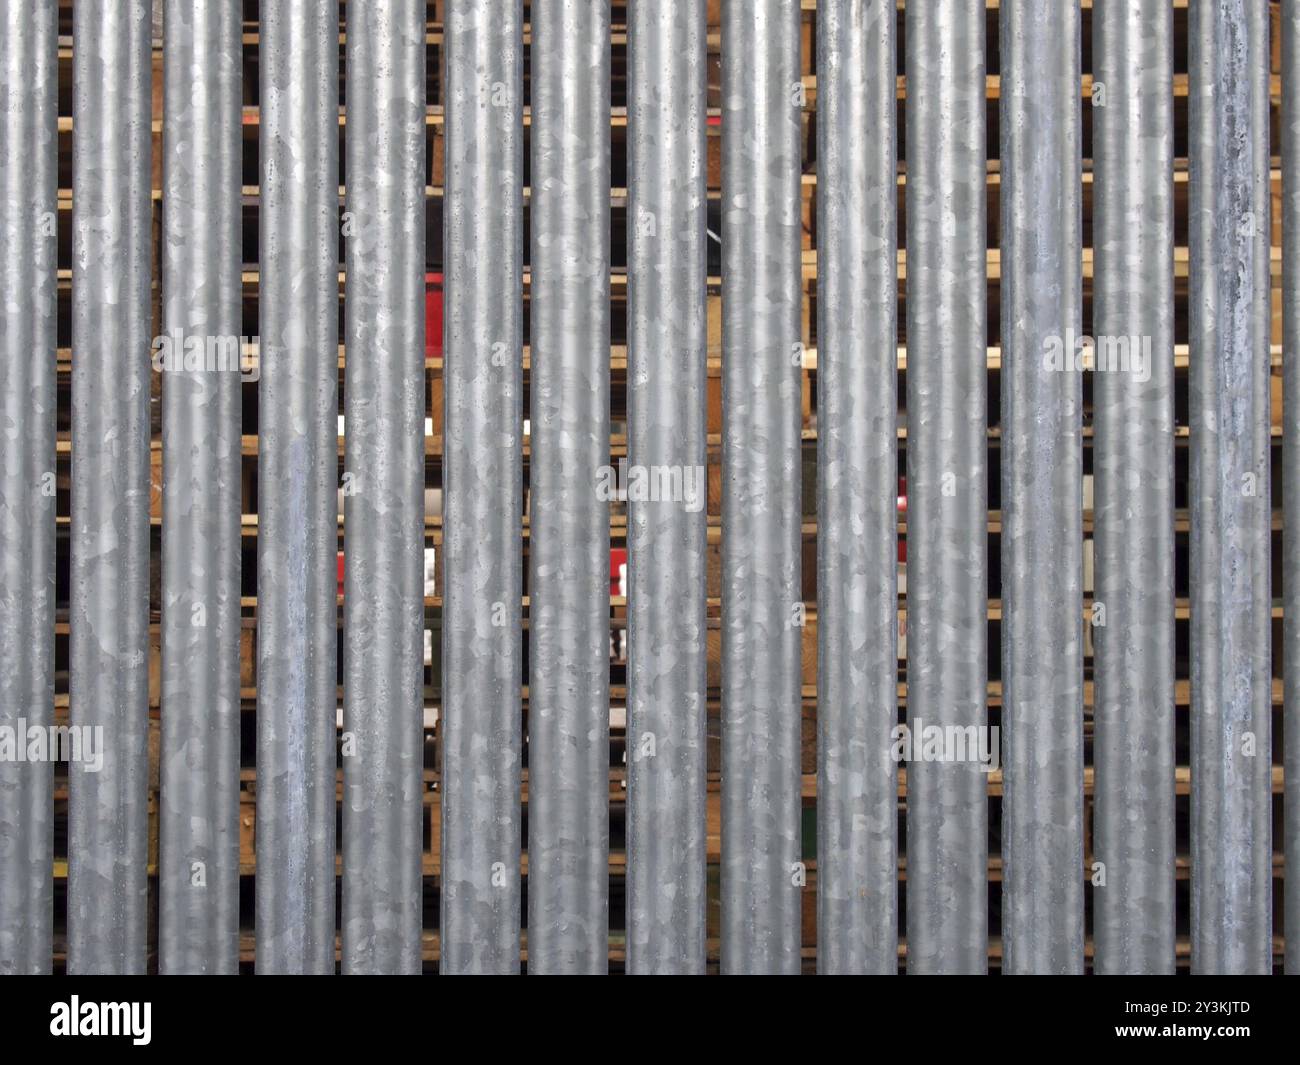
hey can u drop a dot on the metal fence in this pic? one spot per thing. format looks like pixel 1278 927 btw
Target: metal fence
pixel 921 211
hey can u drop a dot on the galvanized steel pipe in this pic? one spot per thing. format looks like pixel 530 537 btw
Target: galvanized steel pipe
pixel 947 669
pixel 857 488
pixel 109 683
pixel 1230 219
pixel 568 711
pixel 28 205
pixel 667 350
pixel 1132 614
pixel 107 831
pixel 297 637
pixel 1291 466
pixel 1042 490
pixel 483 485
pixel 383 601
pixel 763 613
pixel 198 879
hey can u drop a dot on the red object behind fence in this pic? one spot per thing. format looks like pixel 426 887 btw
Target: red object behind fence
pixel 432 315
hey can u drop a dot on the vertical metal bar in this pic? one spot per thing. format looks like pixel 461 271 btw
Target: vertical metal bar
pixel 202 314
pixel 1042 489
pixel 383 693
pixel 857 488
pixel 483 484
pixel 28 190
pixel 109 686
pixel 297 637
pixel 947 670
pixel 568 718
pixel 667 352
pixel 1231 506
pixel 1132 616
pixel 762 595
pixel 1291 468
